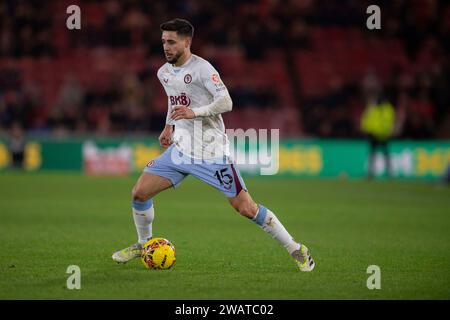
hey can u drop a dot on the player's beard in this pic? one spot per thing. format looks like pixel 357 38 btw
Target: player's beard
pixel 175 58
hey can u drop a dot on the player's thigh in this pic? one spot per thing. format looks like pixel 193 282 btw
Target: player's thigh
pixel 224 177
pixel 149 185
pixel 227 179
pixel 158 175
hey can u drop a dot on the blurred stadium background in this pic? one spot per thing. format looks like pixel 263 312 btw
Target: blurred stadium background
pixel 308 68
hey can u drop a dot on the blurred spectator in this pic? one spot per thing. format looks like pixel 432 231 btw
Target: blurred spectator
pixel 250 94
pixel 419 118
pixel 17 145
pixel 255 47
pixel 446 176
pixel 299 35
pixel 66 114
pixel 377 122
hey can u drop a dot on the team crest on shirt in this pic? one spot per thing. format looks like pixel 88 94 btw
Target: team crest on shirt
pixel 151 163
pixel 187 78
pixel 166 80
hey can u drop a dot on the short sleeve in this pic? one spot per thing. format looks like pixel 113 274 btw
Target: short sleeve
pixel 169 106
pixel 169 111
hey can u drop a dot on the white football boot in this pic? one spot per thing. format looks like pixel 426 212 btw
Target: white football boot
pixel 304 260
pixel 127 254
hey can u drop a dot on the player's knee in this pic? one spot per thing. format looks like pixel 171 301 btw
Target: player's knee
pixel 246 208
pixel 138 194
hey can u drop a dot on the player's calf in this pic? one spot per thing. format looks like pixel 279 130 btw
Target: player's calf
pixel 143 215
pixel 244 204
pixel 269 222
pixel 147 186
pixel 246 208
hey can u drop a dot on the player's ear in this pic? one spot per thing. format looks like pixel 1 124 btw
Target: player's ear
pixel 187 42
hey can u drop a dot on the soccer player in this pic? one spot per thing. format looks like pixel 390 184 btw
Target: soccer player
pixel 197 145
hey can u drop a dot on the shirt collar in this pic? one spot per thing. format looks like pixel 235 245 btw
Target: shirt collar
pixel 184 65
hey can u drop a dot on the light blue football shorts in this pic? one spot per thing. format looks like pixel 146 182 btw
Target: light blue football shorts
pixel 221 174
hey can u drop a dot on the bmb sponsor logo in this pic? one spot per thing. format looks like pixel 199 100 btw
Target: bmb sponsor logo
pixel 181 100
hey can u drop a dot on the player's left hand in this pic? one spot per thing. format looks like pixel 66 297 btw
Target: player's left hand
pixel 181 112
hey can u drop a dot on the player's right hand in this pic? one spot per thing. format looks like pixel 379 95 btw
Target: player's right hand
pixel 165 138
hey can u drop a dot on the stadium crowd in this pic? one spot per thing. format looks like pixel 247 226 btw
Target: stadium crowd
pixel 307 67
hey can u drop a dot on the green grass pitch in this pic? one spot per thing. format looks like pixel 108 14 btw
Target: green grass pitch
pixel 50 221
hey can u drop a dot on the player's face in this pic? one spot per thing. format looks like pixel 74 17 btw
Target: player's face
pixel 174 45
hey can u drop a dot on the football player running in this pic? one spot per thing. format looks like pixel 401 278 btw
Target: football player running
pixel 196 143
